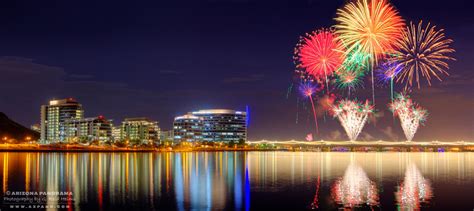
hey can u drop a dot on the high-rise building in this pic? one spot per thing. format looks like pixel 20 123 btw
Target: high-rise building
pixel 88 129
pixel 140 131
pixel 223 125
pixel 187 128
pixel 53 117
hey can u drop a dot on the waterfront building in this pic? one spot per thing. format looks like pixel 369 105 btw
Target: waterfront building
pixel 187 128
pixel 140 131
pixel 167 136
pixel 53 117
pixel 116 131
pixel 223 125
pixel 88 129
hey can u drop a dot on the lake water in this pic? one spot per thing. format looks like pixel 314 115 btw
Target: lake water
pixel 239 180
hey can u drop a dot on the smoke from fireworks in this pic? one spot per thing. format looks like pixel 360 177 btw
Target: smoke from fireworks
pixel 413 190
pixel 352 116
pixel 319 54
pixel 409 113
pixel 355 188
pixel 307 89
pixel 373 26
pixel 422 53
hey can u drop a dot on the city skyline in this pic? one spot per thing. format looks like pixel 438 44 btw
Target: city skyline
pixel 156 67
pixel 64 121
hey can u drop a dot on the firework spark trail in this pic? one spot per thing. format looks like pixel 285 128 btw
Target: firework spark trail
pixel 307 89
pixel 355 188
pixel 413 190
pixel 297 106
pixel 422 52
pixel 409 113
pixel 319 54
pixel 352 116
pixel 289 90
pixel 373 26
pixel 314 114
pixel 391 89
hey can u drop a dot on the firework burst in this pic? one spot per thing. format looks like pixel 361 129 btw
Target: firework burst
pixel 387 72
pixel 352 70
pixel 319 54
pixel 422 53
pixel 371 25
pixel 355 188
pixel 413 190
pixel 348 79
pixel 356 61
pixel 353 116
pixel 409 113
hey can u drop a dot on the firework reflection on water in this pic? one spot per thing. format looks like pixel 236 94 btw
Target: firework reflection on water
pixel 355 188
pixel 414 189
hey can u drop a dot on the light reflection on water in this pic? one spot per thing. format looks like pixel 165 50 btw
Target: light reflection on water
pixel 414 189
pixel 355 188
pixel 243 180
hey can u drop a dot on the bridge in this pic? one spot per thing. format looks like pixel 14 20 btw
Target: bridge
pixel 379 145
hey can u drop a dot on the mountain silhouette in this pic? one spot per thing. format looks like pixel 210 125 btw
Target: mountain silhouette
pixel 13 130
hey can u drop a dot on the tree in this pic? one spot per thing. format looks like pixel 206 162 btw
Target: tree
pixel 120 144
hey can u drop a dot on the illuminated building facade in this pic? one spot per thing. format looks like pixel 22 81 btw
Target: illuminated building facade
pixel 88 129
pixel 116 131
pixel 167 136
pixel 187 128
pixel 140 131
pixel 223 125
pixel 53 117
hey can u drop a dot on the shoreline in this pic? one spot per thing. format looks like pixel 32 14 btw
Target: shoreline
pixel 247 148
pixel 133 150
pixel 128 150
pixel 36 148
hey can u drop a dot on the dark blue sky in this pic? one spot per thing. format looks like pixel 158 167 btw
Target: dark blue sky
pixel 164 58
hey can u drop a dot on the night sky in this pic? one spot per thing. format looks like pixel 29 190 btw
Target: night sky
pixel 165 58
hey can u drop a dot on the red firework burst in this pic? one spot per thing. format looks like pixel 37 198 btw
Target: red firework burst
pixel 319 54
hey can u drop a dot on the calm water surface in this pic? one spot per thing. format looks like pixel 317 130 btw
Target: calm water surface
pixel 243 180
